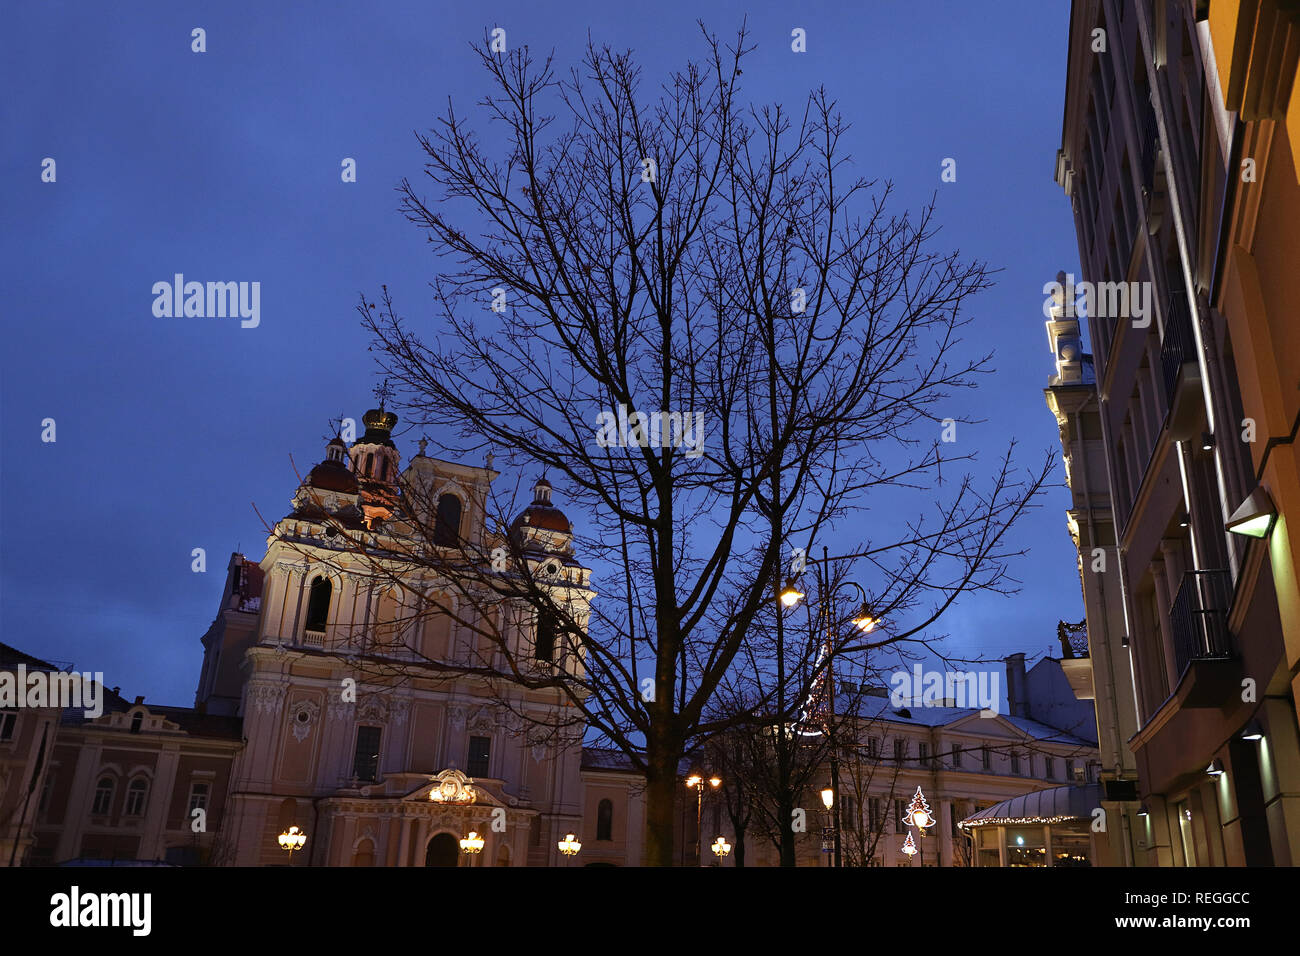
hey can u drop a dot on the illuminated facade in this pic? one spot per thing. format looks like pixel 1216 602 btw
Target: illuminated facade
pixel 1148 162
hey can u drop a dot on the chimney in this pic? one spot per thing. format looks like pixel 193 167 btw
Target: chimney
pixel 1017 696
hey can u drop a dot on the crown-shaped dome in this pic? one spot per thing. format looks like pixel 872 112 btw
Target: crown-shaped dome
pixel 379 427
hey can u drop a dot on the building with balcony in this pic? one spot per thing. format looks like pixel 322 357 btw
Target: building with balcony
pixel 1255 286
pixel 1147 166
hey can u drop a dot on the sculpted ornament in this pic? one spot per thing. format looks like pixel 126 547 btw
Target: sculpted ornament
pixel 304 717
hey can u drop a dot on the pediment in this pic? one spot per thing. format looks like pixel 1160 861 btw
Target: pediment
pixel 995 726
pixel 451 788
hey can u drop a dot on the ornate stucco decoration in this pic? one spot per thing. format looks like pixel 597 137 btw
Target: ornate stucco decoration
pixel 265 698
pixel 304 714
pixel 452 787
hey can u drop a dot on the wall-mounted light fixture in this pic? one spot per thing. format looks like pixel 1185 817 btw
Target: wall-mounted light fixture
pixel 1255 517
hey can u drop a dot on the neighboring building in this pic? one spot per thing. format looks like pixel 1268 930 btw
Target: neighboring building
pixel 1146 161
pixel 26 738
pixel 962 761
pixel 127 785
pixel 1095 657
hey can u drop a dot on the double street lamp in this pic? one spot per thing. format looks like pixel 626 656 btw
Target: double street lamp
pixel 697 781
pixel 865 620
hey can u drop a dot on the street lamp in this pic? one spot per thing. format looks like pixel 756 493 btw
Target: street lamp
pixel 918 815
pixel 569 845
pixel 290 840
pixel 721 847
pixel 865 620
pixel 790 595
pixel 471 844
pixel 697 781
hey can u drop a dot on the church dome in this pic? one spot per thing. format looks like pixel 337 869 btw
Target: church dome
pixel 379 428
pixel 541 513
pixel 332 475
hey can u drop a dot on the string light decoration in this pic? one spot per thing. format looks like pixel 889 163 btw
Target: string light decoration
pixel 909 845
pixel 1019 821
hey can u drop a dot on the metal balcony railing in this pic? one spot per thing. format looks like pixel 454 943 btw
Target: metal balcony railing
pixel 1199 618
pixel 1179 344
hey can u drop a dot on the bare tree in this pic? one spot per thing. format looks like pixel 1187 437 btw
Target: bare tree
pixel 796 346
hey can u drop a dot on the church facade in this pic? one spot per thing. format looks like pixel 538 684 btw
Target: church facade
pixel 367 723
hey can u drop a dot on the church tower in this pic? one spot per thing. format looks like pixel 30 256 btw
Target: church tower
pixel 375 462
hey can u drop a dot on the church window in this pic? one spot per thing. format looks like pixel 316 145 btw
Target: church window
pixel 365 764
pixel 480 752
pixel 446 529
pixel 545 649
pixel 318 605
pixel 605 820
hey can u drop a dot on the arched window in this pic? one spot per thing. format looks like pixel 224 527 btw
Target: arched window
pixel 545 649
pixel 137 721
pixel 364 854
pixel 383 469
pixel 103 801
pixel 446 529
pixel 137 795
pixel 605 820
pixel 370 463
pixel 318 606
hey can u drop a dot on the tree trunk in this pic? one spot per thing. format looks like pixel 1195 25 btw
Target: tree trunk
pixel 660 799
pixel 787 834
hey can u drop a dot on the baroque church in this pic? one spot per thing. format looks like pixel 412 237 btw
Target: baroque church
pixel 333 701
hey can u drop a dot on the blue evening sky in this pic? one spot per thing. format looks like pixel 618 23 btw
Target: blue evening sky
pixel 225 166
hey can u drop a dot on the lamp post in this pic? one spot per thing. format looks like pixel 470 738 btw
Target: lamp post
pixel 290 840
pixel 865 620
pixel 697 781
pixel 918 815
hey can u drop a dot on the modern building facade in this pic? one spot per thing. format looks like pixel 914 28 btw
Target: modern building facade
pixel 1147 162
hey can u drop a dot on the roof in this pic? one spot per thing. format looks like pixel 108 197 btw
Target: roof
pixel 12 657
pixel 870 707
pixel 1056 805
pixel 607 758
